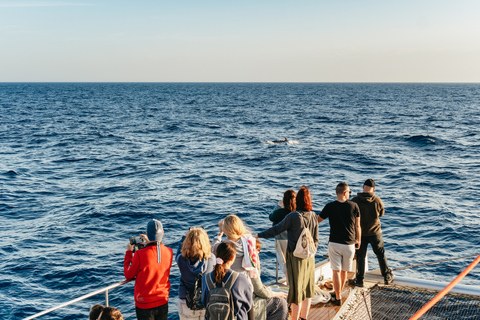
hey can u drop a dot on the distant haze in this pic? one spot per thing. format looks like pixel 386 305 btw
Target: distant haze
pixel 239 41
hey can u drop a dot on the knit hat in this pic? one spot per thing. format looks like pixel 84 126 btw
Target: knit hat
pixel 370 183
pixel 155 230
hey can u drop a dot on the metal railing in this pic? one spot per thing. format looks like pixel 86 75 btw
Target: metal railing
pixel 113 286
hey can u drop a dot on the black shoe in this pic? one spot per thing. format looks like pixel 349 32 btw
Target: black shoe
pixel 355 282
pixel 335 301
pixel 389 277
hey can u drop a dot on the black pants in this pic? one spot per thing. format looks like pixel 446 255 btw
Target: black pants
pixel 379 250
pixel 157 313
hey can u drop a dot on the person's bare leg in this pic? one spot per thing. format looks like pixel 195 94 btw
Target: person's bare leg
pixel 305 308
pixel 336 277
pixel 343 279
pixel 295 310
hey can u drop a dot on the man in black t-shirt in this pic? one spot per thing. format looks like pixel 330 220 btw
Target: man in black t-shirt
pixel 345 235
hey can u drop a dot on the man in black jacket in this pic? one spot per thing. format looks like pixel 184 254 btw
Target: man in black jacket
pixel 371 208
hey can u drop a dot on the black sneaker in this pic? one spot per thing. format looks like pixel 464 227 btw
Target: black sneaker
pixel 355 282
pixel 389 277
pixel 335 301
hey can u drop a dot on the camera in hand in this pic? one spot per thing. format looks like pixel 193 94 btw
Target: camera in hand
pixel 137 242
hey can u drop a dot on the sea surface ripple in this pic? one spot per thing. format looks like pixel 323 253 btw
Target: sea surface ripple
pixel 84 166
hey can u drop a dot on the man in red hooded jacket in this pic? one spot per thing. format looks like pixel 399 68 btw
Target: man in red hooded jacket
pixel 151 267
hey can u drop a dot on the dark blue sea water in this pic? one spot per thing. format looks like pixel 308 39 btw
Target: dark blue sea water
pixel 83 167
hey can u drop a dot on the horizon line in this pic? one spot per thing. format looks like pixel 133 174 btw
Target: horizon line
pixel 266 82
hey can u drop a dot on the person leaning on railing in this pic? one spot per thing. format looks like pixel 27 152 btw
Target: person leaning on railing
pixel 285 206
pixel 300 272
pixel 151 267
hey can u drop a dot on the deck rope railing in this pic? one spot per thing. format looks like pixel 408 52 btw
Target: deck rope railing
pixel 447 289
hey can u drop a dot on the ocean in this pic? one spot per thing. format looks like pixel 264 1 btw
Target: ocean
pixel 84 166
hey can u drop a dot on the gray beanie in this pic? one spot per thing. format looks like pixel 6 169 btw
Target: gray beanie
pixel 155 230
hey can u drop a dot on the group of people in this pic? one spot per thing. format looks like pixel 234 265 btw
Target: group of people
pixel 221 279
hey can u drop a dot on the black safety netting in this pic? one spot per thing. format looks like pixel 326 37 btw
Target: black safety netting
pixel 395 302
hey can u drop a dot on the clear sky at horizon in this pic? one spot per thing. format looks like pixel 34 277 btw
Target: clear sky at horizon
pixel 240 41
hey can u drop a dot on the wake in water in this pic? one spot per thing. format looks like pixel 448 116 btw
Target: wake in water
pixel 286 140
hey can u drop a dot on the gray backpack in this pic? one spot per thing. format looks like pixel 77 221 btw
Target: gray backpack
pixel 220 299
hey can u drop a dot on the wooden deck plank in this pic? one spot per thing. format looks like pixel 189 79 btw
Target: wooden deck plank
pixel 323 311
pixel 327 311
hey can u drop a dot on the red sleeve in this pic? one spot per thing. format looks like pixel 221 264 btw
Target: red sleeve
pixel 130 266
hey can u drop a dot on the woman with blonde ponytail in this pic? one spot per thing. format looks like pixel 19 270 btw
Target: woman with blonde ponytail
pixel 241 288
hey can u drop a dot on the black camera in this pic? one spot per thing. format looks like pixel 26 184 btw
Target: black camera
pixel 137 242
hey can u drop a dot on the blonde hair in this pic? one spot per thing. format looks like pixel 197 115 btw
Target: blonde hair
pixel 196 244
pixel 234 227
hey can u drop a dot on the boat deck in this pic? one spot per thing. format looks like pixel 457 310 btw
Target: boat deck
pixel 399 301
pixel 327 311
pixel 323 311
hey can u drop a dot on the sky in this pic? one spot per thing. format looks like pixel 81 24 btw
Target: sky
pixel 240 41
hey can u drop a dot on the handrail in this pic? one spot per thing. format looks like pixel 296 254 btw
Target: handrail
pixel 442 293
pixel 91 294
pixel 88 295
pixel 433 262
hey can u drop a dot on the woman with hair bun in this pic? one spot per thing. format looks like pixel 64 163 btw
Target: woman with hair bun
pixel 241 288
pixel 300 272
pixel 193 257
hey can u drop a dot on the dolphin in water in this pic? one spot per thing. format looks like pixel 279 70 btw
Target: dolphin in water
pixel 281 141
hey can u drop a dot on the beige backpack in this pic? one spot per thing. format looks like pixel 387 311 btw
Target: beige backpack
pixel 305 247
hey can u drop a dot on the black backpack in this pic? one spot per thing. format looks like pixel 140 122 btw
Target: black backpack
pixel 220 299
pixel 193 297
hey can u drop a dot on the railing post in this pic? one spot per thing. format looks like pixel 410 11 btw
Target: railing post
pixel 277 268
pixel 106 298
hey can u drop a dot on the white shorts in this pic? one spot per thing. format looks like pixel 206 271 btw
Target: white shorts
pixel 185 313
pixel 341 256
